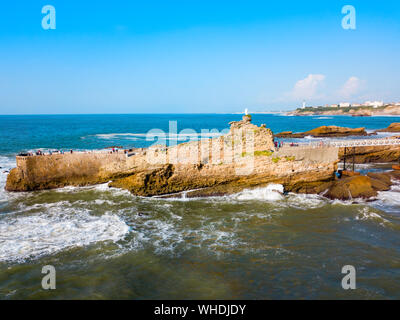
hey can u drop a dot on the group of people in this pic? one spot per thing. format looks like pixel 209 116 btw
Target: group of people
pixel 278 144
pixel 41 153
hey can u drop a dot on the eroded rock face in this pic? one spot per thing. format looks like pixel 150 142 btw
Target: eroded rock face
pixel 325 132
pixel 148 182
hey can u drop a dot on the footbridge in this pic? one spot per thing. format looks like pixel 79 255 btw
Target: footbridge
pixel 349 146
pixel 345 143
pixel 363 143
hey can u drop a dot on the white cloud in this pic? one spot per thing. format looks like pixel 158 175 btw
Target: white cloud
pixel 307 89
pixel 351 87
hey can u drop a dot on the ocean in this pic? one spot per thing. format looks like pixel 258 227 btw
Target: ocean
pixel 106 243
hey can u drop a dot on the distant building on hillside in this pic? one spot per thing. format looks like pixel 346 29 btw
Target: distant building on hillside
pixel 304 105
pixel 374 104
pixel 344 104
pixel 334 105
pixel 356 105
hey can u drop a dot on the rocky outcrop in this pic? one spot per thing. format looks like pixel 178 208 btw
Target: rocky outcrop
pixel 394 127
pixel 334 131
pixel 243 158
pixel 360 113
pixel 289 134
pixel 364 187
pixel 325 132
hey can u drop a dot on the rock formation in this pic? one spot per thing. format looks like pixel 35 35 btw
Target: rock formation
pixel 394 127
pixel 324 132
pixel 243 158
pixel 364 187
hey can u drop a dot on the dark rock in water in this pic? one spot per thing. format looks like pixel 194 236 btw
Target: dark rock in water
pixel 312 187
pixel 289 134
pixel 364 187
pixel 334 131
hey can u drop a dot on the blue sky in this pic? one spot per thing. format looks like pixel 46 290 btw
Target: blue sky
pixel 195 56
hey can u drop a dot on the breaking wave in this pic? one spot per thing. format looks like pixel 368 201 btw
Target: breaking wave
pixel 389 200
pixel 272 192
pixel 26 237
pixel 6 164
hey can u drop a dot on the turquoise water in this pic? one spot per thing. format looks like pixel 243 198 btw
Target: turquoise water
pixel 107 243
pixel 21 133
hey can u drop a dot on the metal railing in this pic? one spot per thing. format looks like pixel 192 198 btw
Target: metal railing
pixel 344 143
pixel 364 143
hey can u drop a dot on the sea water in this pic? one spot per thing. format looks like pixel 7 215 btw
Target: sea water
pixel 257 244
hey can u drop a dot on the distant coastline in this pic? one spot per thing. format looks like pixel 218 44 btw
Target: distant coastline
pixel 359 111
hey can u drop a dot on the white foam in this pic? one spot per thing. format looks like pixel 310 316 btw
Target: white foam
pixel 366 213
pixel 272 192
pixel 24 237
pixel 306 201
pixel 387 134
pixel 99 187
pixel 6 165
pixel 390 198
